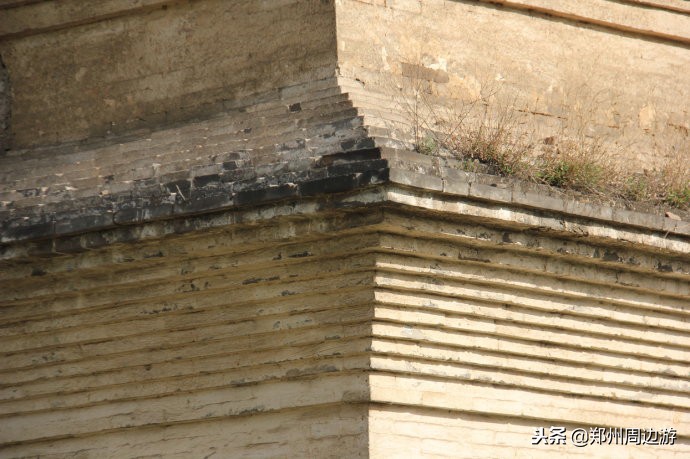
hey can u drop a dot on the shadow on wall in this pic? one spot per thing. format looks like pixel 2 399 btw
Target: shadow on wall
pixel 4 108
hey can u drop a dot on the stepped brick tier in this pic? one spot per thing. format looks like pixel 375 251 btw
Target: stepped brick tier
pixel 216 239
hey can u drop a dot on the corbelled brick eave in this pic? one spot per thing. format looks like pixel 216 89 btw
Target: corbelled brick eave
pixel 363 181
pixel 335 173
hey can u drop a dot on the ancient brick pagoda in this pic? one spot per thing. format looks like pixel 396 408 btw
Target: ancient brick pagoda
pixel 218 240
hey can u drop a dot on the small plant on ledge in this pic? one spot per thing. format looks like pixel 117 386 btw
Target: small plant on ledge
pixel 491 135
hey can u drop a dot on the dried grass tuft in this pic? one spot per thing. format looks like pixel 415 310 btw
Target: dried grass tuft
pixel 490 133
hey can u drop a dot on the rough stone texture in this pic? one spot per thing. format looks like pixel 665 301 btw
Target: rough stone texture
pixel 242 266
pixel 5 109
pixel 588 69
pixel 124 66
pixel 252 154
pixel 411 306
pixel 234 126
pixel 237 340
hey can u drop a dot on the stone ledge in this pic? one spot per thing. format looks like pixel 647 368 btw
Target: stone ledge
pixel 352 179
pixel 336 173
pixel 423 171
pixel 369 194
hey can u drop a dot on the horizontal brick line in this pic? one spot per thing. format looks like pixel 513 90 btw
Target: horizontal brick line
pixel 666 367
pixel 197 378
pixel 37 352
pixel 308 336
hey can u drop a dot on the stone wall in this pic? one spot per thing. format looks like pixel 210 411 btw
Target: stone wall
pixel 91 71
pixel 475 346
pixel 215 240
pixel 259 151
pixel 5 109
pixel 245 341
pixel 173 138
pixel 602 70
pixel 394 321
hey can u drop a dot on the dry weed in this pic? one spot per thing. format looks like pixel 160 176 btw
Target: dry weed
pixel 485 129
pixel 672 181
pixel 577 164
pixel 489 130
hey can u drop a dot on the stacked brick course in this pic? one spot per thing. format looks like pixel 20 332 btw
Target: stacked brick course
pixel 250 262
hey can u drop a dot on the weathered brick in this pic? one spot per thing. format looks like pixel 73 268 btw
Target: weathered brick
pixel 268 194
